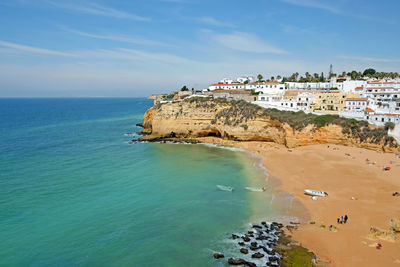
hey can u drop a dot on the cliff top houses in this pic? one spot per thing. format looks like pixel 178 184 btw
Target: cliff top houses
pixel 338 95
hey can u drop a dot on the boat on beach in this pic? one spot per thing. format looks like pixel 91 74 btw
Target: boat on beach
pixel 315 193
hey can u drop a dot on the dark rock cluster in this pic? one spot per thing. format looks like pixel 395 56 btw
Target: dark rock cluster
pixel 257 245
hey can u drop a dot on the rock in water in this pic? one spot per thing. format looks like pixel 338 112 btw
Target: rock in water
pixel 232 261
pixel 241 244
pixel 234 236
pixel 257 255
pixel 218 255
pixel 246 239
pixel 244 251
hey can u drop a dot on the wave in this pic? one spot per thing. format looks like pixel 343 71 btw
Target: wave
pixel 132 134
pixel 221 147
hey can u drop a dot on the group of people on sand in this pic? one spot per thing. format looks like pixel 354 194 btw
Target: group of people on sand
pixel 396 194
pixel 342 219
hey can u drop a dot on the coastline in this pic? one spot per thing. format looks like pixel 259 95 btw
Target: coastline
pixel 342 172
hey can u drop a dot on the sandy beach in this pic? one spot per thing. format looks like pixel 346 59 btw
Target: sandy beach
pixel 357 187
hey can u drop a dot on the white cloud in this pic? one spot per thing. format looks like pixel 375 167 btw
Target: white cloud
pixel 125 39
pixel 371 59
pixel 96 9
pixel 213 22
pixel 246 42
pixel 320 4
pixel 135 56
pixel 33 50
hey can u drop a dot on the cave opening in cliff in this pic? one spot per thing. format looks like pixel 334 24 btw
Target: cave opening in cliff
pixel 214 133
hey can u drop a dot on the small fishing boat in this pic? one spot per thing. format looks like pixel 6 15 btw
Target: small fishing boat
pixel 315 193
pixel 386 169
pixel 225 188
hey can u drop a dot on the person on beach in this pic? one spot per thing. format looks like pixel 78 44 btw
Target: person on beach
pixel 338 220
pixel 378 246
pixel 264 188
pixel 330 227
pixel 314 260
pixel 345 218
pixel 341 219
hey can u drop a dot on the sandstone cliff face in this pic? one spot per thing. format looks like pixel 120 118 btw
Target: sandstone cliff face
pixel 191 119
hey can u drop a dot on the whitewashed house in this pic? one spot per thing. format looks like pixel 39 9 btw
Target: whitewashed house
pixel 382 95
pixel 356 104
pixel 266 87
pixel 307 86
pixel 232 86
pixel 226 81
pixel 304 100
pixel 244 79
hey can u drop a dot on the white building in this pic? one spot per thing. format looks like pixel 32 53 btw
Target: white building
pixel 271 98
pixel 226 81
pixel 382 95
pixel 244 79
pixel 304 100
pixel 381 118
pixel 307 86
pixel 356 104
pixel 351 86
pixel 266 87
pixel 232 86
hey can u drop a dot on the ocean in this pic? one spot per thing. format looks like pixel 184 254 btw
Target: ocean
pixel 73 191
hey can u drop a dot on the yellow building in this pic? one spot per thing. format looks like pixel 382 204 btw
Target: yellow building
pixel 331 102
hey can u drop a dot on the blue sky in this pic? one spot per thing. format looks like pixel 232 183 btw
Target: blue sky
pixel 135 48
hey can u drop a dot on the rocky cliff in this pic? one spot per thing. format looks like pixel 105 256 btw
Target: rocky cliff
pixel 242 121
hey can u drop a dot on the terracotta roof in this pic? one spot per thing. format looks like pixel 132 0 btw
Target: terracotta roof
pixel 359 88
pixel 369 110
pixel 387 114
pixel 356 99
pixel 381 82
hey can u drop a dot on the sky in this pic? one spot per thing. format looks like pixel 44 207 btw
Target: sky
pixel 116 48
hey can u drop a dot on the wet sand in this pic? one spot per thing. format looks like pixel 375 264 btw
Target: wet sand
pixel 344 173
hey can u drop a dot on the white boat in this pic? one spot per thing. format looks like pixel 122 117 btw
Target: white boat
pixel 225 188
pixel 315 193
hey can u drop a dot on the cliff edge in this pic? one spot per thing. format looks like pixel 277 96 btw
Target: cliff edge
pixel 243 121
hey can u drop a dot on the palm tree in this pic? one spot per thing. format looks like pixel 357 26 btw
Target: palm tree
pixel 259 77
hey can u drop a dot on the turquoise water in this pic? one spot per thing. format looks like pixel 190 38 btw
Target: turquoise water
pixel 74 192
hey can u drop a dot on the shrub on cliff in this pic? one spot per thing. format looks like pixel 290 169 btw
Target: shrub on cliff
pixel 237 113
pixel 389 126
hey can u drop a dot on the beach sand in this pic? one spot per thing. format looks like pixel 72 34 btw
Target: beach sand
pixel 344 173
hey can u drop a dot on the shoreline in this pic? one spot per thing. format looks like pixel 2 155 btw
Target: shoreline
pixel 341 171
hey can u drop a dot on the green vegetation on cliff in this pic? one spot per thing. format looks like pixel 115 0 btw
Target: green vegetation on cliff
pixel 237 113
